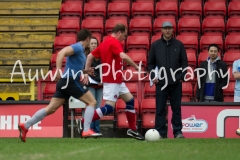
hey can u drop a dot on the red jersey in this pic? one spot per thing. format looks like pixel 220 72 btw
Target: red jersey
pixel 109 51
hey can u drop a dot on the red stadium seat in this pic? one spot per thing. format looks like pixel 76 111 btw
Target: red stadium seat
pixel 148 112
pixel 117 1
pixel 234 10
pixel 224 1
pixel 166 10
pixel 186 99
pixel 140 27
pixel 137 44
pixel 203 57
pixel 176 1
pixel 53 61
pixel 230 57
pixel 228 98
pixel 120 110
pixel 142 10
pixel 49 90
pixel 199 1
pixel 157 25
pixel 110 23
pixel 154 38
pixel 215 10
pixel 119 11
pixel 213 27
pixel 138 57
pixel 229 91
pixel 68 27
pixel 95 26
pixel 192 61
pixel 191 10
pixel 71 10
pixel 95 11
pixel 233 26
pixel 205 41
pixel 61 42
pixel 187 26
pixel 190 43
pixel 149 92
pixel 232 43
pixel 187 89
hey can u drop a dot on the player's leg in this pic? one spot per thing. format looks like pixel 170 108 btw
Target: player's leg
pixel 110 95
pixel 130 112
pixel 54 104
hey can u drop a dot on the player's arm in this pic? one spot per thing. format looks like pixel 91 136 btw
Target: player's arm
pixel 67 51
pixel 128 60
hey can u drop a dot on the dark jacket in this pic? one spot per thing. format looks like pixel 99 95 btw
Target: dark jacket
pixel 219 81
pixel 168 54
pixel 96 76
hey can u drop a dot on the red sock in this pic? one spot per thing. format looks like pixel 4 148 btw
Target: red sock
pixel 95 117
pixel 131 117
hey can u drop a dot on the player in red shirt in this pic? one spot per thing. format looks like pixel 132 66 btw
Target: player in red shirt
pixel 112 54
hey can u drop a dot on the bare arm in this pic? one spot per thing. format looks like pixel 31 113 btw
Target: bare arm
pixel 67 51
pixel 236 75
pixel 89 61
pixel 129 61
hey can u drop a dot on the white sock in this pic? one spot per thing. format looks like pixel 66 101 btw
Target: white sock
pixel 88 116
pixel 38 116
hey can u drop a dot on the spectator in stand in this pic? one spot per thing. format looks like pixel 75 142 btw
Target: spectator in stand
pixel 212 84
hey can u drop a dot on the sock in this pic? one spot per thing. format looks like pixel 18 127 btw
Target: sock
pixel 38 116
pixel 131 114
pixel 88 116
pixel 131 117
pixel 100 112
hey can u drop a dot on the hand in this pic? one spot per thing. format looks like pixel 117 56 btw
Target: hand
pixel 100 84
pixel 58 76
pixel 155 81
pixel 181 81
pixel 89 71
pixel 85 79
pixel 196 100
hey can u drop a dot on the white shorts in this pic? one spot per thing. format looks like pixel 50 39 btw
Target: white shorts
pixel 236 99
pixel 111 91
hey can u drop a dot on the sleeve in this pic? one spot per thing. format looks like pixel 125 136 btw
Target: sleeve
pixel 152 60
pixel 116 48
pixel 76 48
pixel 235 67
pixel 184 60
pixel 96 52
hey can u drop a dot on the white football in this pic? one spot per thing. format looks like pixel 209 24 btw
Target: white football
pixel 238 131
pixel 152 135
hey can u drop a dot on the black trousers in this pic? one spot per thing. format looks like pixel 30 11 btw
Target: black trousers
pixel 173 91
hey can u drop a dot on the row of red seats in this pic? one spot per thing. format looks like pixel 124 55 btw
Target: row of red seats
pixel 147 10
pixel 141 43
pixel 186 26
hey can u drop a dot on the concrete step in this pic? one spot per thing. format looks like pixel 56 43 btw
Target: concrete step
pixel 30 7
pixel 5 71
pixel 26 39
pixel 28 23
pixel 26 56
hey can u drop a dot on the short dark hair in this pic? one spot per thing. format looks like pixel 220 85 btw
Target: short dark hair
pixel 119 27
pixel 213 45
pixel 83 34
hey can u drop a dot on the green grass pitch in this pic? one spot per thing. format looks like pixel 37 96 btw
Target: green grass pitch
pixel 118 149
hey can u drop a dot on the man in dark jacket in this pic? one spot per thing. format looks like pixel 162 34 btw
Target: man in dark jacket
pixel 168 54
pixel 213 81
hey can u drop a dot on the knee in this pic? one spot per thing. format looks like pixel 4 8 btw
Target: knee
pixel 130 104
pixel 93 103
pixel 50 110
